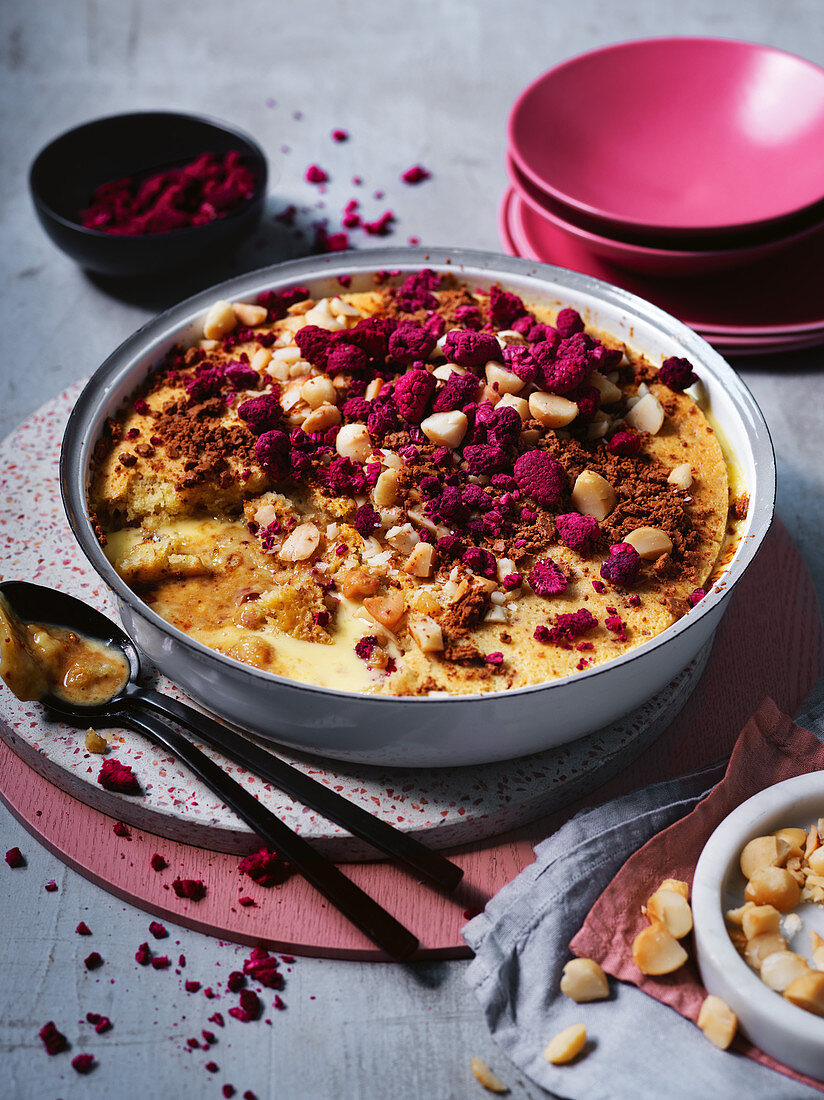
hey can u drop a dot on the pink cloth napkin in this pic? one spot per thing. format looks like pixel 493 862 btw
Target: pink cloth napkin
pixel 769 748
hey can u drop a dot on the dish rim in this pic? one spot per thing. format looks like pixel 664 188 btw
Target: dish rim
pixel 478 264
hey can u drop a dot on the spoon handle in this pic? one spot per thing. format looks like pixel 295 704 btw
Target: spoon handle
pixel 422 860
pixel 365 913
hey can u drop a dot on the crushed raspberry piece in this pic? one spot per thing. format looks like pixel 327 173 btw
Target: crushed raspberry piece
pixel 496 658
pixel 416 174
pixel 568 627
pixel 314 343
pixel 625 442
pixel 261 413
pixel 217 1019
pixel 345 477
pixel 469 316
pixel 158 930
pixel 413 391
pixel 330 242
pixel 100 1023
pixel 161 962
pixel 411 341
pixel 143 955
pixel 512 581
pixel 272 452
pixel 485 458
pixel 540 476
pixel 345 358
pixel 263 967
pixel 677 373
pixel 577 532
pixel 209 1036
pixel 315 174
pixel 599 587
pixel 83 1063
pixel 366 646
pixel 235 981
pixel 459 390
pixel 265 868
pixel 241 376
pixel 249 1008
pixel 191 888
pixel 546 578
pixel 191 986
pixel 93 961
pixel 206 382
pixel 616 626
pixel 588 400
pixel 504 307
pixel 211 1067
pixel 121 829
pixel 470 349
pixel 227 1091
pixel 193 1043
pixel 50 886
pixel 209 993
pixel 520 360
pixel 158 863
pixel 115 776
pixel 570 366
pixel 696 596
pixel 415 291
pixel 83 929
pixel 249 1095
pixel 380 226
pixel 366 520
pixel 246 901
pixel 480 561
pixel 569 322
pixel 623 564
pixel 339 135
pixel 53 1040
pixel 15 858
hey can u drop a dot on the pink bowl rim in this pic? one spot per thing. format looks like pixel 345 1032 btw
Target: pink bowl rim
pixel 630 224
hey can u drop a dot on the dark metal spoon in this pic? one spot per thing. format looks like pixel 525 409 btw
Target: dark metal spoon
pixel 132 706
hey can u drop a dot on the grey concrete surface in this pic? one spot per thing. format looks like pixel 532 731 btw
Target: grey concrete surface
pixel 412 82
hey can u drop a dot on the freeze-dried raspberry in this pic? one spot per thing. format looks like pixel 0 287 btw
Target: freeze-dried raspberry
pixel 339 135
pixel 161 962
pixel 83 1063
pixel 247 902
pixel 416 174
pixel 345 477
pixel 261 413
pixel 485 458
pixel 121 829
pixel 605 359
pixel 100 1023
pixel 158 930
pixel 143 955
pixel 625 442
pixel 520 360
pixel 211 1067
pixel 235 981
pixel 93 961
pixel 480 561
pixel 366 647
pixel 547 578
pixel 191 888
pixel 264 867
pixel 410 342
pixel 315 174
pixel 416 291
pixel 470 349
pixel 14 858
pixel 227 1091
pixel 577 532
pixel 512 581
pixel 468 316
pixel 540 477
pixel 273 453
pixel 314 343
pixel 616 626
pixel 588 400
pixel 677 373
pixel 216 1018
pixel 345 358
pixel 158 863
pixel 263 967
pixel 380 226
pixel 567 628
pixel 372 334
pixel 53 1040
pixel 504 307
pixel 83 929
pixel 622 565
pixel 209 1036
pixel 249 1007
pixel 696 596
pixel 191 986
pixel 115 776
pixel 569 322
pixel 570 365
pixel 366 520
pixel 206 382
pixel 412 393
pixel 459 390
pixel 50 886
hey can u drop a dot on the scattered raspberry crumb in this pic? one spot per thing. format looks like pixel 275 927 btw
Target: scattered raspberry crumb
pixel 623 564
pixel 616 626
pixel 547 579
pixel 100 1023
pixel 416 174
pixel 279 1003
pixel 249 1095
pixel 599 587
pixel 50 886
pixel 365 647
pixel 193 1043
pixel 315 174
pixel 235 981
pixel 262 967
pixel 677 373
pixel 209 993
pixel 121 829
pixel 380 226
pixel 339 135
pixel 626 442
pixel 83 1063
pixel 264 867
pixel 191 986
pixel 158 930
pixel 93 961
pixel 158 863
pixel 83 929
pixel 246 901
pixel 495 658
pixel 209 1036
pixel 53 1040
pixel 217 1019
pixel 212 1067
pixel 567 627
pixel 115 776
pixel 696 596
pixel 14 858
pixel 249 1008
pixel 181 959
pixel 191 888
pixel 413 241
pixel 161 962
pixel 228 1091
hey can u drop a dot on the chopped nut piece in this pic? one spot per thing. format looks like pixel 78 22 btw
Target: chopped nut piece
pixel 385 492
pixel 681 476
pixel 807 991
pixel 718 1022
pixel 650 542
pixel 357 583
pixel 763 851
pixel 446 428
pixel 672 910
pixel 219 320
pixel 678 885
pixel 319 391
pixel 761 919
pixel 759 947
pixel 656 951
pixel 812 842
pixel 373 389
pixel 301 543
pixel 736 916
pixel 353 442
pixel 773 886
pixel 781 968
pixel 95 742
pixel 551 410
pixel 519 404
pixel 485 1076
pixel 428 634
pixel 502 380
pixel 816 861
pixel 583 980
pixel 249 314
pixel 592 495
pixel 420 561
pixel 610 393
pixel 566 1045
pixel 387 610
pixel 261 360
pixel 321 418
pixel 647 415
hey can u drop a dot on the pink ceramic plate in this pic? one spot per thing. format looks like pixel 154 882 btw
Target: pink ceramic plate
pixel 676 135
pixel 667 262
pixel 768 299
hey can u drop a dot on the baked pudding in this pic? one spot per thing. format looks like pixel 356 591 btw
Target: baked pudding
pixel 414 488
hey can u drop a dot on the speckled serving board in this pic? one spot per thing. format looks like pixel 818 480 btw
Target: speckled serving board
pixel 443 807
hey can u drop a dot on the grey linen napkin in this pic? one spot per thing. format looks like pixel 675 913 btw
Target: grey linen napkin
pixel 639 1048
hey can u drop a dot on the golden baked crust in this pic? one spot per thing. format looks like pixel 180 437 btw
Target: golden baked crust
pixel 279 547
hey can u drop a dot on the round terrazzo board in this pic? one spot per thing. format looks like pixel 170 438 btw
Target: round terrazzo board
pixel 443 807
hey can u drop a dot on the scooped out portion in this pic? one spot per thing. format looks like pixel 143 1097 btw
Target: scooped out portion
pixel 38 660
pixel 421 486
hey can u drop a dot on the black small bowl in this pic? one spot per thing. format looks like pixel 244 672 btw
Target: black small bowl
pixel 67 172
